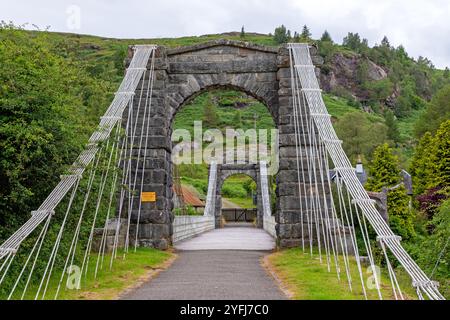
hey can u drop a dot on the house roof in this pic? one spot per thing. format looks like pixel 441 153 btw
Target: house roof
pixel 190 198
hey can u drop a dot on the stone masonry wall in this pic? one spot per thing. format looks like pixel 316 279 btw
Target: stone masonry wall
pixel 183 73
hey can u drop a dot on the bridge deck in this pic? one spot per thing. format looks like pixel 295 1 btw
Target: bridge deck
pixel 230 238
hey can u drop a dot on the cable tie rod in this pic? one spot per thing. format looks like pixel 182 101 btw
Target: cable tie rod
pixel 344 169
pixel 150 46
pixel 63 176
pixel 110 118
pixel 320 115
pixel 392 237
pixel 333 141
pixel 425 283
pixel 8 250
pixel 311 89
pixel 303 65
pixel 135 68
pixel 131 93
pixel 34 212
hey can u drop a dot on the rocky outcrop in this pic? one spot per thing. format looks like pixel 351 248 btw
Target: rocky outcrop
pixel 342 72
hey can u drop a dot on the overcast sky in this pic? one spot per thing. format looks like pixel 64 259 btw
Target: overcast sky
pixel 422 26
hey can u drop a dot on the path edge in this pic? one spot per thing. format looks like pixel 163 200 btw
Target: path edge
pixel 147 277
pixel 270 270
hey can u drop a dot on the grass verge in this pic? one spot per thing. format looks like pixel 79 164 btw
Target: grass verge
pixel 303 277
pixel 125 275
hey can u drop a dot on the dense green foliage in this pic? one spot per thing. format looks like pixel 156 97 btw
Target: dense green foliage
pixel 359 135
pixel 430 167
pixel 48 107
pixel 438 110
pixel 384 172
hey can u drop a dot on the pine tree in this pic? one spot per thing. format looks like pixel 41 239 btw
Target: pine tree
pixel 326 37
pixel 296 37
pixel 306 34
pixel 242 33
pixel 384 171
pixel 210 115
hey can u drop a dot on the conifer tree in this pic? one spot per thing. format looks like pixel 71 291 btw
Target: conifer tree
pixel 306 34
pixel 384 172
pixel 242 35
pixel 440 157
pixel 420 168
pixel 326 37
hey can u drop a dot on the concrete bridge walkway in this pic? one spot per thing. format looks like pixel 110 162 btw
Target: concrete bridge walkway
pixel 220 264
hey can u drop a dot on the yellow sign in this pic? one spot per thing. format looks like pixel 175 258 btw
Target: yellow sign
pixel 148 196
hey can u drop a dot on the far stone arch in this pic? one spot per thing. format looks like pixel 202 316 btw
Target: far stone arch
pixel 184 72
pixel 225 171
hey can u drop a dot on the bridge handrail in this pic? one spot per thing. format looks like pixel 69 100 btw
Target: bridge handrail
pixel 265 189
pixel 210 205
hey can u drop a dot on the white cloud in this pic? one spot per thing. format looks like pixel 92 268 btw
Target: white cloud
pixel 421 26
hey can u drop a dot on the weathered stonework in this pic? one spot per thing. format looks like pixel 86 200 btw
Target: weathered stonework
pixel 226 170
pixel 183 73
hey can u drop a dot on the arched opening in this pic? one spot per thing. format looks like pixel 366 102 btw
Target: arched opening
pixel 220 109
pixel 239 199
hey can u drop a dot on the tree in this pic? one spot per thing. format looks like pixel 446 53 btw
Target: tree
pixel 384 172
pixel 420 167
pixel 362 72
pixel 296 37
pixel 352 41
pixel 48 107
pixel 383 169
pixel 306 34
pixel 242 35
pixel 437 111
pixel 379 90
pixel 210 115
pixel 359 135
pixel 436 246
pixel 440 157
pixel 392 127
pixel 326 37
pixel 385 42
pixel 280 35
pixel 446 73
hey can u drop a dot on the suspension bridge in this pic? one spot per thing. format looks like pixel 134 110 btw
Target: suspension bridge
pixel 117 195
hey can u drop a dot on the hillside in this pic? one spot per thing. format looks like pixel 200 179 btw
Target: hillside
pixel 56 86
pixel 86 71
pixel 370 79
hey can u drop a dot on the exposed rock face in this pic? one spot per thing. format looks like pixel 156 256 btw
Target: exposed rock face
pixel 343 72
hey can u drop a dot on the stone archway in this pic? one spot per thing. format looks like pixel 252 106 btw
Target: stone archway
pixel 225 171
pixel 181 74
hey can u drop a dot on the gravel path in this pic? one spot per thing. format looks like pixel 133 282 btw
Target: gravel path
pixel 221 264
